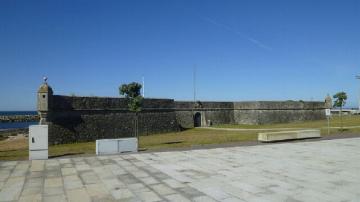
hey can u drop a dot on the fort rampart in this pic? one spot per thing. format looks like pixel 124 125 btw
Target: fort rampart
pixel 78 119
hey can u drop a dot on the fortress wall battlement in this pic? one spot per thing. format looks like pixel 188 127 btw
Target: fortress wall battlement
pixel 78 119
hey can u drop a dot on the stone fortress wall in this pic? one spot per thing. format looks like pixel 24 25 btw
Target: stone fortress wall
pixel 78 119
pixel 250 112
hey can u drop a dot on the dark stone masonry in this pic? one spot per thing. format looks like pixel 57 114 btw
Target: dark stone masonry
pixel 78 119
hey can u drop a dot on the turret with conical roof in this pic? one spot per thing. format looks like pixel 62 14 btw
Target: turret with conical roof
pixel 328 102
pixel 44 98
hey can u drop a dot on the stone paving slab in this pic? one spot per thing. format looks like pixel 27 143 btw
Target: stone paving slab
pixel 304 171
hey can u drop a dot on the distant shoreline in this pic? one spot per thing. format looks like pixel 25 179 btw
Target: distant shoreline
pixel 13 120
pixel 19 118
pixel 9 113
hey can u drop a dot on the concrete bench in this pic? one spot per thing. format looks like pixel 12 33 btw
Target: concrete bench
pixel 288 135
pixel 115 146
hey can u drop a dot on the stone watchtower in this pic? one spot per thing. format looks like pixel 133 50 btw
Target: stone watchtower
pixel 44 98
pixel 328 102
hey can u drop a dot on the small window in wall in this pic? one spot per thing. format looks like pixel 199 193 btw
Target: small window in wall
pixel 44 96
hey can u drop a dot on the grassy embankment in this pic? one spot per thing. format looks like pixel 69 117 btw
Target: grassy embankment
pixel 17 149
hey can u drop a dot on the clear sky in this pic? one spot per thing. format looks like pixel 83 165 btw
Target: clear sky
pixel 242 50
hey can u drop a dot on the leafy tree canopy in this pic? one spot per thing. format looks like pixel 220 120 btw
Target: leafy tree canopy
pixel 340 99
pixel 130 90
pixel 132 93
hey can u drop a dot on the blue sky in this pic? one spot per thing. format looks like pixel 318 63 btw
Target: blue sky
pixel 242 50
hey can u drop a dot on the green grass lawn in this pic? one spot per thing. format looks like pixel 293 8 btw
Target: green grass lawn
pixel 194 137
pixel 18 149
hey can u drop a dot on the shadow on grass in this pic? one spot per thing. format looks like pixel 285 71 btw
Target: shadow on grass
pixel 173 142
pixel 343 130
pixel 67 154
pixel 292 140
pixel 13 150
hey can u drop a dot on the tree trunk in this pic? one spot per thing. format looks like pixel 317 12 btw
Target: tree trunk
pixel 341 120
pixel 137 128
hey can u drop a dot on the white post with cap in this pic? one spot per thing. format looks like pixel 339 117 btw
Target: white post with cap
pixel 38 134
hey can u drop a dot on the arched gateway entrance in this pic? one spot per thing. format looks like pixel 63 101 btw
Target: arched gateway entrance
pixel 197 119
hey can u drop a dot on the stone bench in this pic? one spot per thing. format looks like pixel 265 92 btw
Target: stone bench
pixel 115 146
pixel 288 135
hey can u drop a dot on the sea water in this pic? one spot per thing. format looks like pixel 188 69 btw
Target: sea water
pixel 8 113
pixel 14 125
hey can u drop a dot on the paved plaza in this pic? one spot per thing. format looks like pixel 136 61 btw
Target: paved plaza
pixel 303 171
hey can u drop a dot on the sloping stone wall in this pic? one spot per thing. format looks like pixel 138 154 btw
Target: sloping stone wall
pixel 253 112
pixel 267 112
pixel 78 119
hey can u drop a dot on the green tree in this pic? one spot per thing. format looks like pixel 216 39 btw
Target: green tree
pixel 131 92
pixel 340 101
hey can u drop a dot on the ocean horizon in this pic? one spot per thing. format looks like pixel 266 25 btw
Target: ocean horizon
pixel 16 125
pixel 10 113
